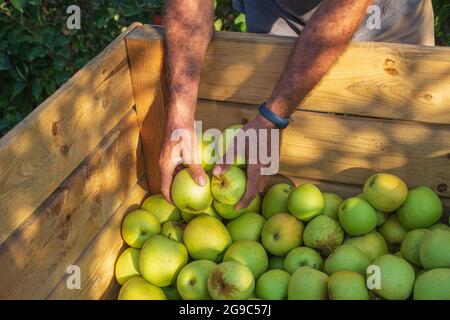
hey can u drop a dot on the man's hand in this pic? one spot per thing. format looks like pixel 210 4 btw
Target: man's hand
pixel 177 150
pixel 189 28
pixel 255 180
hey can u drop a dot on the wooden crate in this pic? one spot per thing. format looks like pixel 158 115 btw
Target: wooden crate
pixel 75 166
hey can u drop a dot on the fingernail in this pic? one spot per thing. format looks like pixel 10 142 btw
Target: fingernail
pixel 201 181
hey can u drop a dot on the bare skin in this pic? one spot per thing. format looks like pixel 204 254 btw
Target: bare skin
pixel 317 49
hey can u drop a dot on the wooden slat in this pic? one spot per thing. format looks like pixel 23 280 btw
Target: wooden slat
pixel 37 254
pixel 98 260
pixel 145 53
pixel 371 79
pixel 349 149
pixel 40 152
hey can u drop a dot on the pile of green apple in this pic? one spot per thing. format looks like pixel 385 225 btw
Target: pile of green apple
pixel 296 243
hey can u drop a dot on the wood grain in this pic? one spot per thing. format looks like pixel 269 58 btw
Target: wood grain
pixel 37 254
pixel 98 259
pixel 39 153
pixel 381 80
pixel 349 149
pixel 145 53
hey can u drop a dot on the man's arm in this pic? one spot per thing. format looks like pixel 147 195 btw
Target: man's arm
pixel 189 28
pixel 321 43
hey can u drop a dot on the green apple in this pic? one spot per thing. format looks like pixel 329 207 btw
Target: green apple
pixel 229 187
pixel 323 234
pixel 392 230
pixel 275 199
pixel 231 280
pixel 372 244
pixel 192 282
pixel 225 140
pixel 421 209
pixel 247 227
pixel 188 196
pixel 173 230
pixel 385 192
pixel 411 244
pixel 308 284
pixel 332 204
pixel 161 208
pixel 171 293
pixel 347 258
pixel 206 237
pixel 139 289
pixel 396 277
pixel 276 263
pixel 127 265
pixel 273 285
pixel 282 233
pixel 357 216
pixel 138 226
pixel 249 253
pixel 302 257
pixel 161 260
pixel 347 285
pixel 305 202
pixel 229 212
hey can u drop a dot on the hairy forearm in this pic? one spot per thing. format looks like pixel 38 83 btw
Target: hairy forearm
pixel 189 27
pixel 319 46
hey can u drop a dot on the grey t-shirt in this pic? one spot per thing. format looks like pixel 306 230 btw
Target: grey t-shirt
pixel 403 21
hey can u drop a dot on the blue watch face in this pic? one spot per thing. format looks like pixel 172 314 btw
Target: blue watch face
pixel 278 121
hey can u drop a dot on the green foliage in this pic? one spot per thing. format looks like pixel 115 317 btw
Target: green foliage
pixel 442 21
pixel 38 53
pixel 226 18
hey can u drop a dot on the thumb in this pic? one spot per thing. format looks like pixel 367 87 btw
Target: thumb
pixel 198 174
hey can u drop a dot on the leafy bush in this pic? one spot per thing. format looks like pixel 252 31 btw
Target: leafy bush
pixel 38 53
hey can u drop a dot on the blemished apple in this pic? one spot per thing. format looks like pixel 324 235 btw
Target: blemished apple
pixel 206 237
pixel 192 282
pixel 229 187
pixel 305 202
pixel 225 140
pixel 249 253
pixel 139 289
pixel 161 260
pixel 161 208
pixel 273 285
pixel 127 265
pixel 138 226
pixel 246 227
pixel 188 196
pixel 231 280
pixel 173 230
pixel 282 233
pixel 229 212
pixel 275 199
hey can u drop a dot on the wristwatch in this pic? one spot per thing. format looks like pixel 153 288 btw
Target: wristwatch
pixel 278 121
